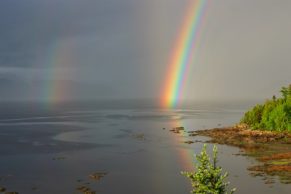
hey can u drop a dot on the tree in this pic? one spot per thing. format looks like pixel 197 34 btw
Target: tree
pixel 286 92
pixel 273 115
pixel 208 178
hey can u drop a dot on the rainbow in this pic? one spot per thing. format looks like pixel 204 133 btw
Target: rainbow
pixel 183 53
pixel 185 154
pixel 59 61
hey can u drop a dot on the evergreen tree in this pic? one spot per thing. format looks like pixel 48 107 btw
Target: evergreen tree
pixel 208 178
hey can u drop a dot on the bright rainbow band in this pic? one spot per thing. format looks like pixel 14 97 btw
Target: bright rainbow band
pixel 183 53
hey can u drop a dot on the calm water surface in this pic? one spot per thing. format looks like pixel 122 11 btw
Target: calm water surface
pixel 54 151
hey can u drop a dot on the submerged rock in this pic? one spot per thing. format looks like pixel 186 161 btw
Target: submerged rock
pixel 177 129
pixel 2 189
pixel 189 142
pixel 98 175
pixel 192 133
pixel 83 189
pixel 139 136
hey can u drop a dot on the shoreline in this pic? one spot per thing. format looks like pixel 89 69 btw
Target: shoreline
pixel 271 149
pixel 243 137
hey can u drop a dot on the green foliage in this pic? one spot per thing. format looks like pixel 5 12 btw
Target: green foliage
pixel 208 178
pixel 274 115
pixel 254 116
pixel 286 92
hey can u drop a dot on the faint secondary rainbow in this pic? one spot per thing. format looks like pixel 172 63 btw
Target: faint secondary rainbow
pixel 59 59
pixel 183 53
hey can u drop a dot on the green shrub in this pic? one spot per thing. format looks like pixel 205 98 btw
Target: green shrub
pixel 274 115
pixel 254 116
pixel 208 178
pixel 267 121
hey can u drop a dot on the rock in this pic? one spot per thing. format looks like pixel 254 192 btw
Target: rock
pixel 140 136
pixel 86 190
pixel 90 192
pixel 2 189
pixel 269 182
pixel 189 142
pixel 83 189
pixel 98 175
pixel 192 133
pixel 177 129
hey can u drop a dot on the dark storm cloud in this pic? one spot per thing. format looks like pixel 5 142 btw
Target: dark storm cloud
pixel 100 35
pixel 29 27
pixel 121 48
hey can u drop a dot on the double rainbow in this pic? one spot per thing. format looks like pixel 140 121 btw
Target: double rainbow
pixel 183 53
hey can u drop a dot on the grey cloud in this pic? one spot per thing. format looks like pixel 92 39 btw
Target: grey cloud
pixel 121 49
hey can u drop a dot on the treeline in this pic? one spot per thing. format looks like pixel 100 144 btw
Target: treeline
pixel 273 115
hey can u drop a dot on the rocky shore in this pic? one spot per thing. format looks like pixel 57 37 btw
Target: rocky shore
pixel 271 149
pixel 243 137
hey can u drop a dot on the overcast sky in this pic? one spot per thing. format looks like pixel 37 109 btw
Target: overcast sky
pixel 108 49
